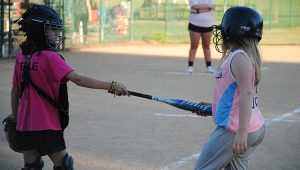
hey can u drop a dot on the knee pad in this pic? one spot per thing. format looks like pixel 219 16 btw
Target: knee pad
pixel 68 162
pixel 38 165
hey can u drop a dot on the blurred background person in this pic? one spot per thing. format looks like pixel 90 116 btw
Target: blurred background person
pixel 81 13
pixel 121 21
pixel 200 26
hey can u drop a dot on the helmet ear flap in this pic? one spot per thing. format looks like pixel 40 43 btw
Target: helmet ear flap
pixel 226 34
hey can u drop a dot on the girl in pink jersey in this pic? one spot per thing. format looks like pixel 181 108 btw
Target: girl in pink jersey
pixel 39 130
pixel 240 124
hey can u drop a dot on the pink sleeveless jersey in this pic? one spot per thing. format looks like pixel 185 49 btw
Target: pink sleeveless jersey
pixel 226 97
pixel 47 70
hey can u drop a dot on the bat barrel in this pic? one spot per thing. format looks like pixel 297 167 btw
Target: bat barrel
pixel 179 103
pixel 186 105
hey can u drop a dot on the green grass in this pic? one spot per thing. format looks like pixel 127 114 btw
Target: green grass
pixel 177 33
pixel 281 36
pixel 281 23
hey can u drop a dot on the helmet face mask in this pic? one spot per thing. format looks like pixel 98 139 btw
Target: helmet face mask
pixel 237 22
pixel 54 35
pixel 45 19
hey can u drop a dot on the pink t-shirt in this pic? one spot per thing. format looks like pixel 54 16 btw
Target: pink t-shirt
pixel 226 97
pixel 47 70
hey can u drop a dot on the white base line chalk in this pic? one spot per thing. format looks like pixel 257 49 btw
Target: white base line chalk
pixel 175 115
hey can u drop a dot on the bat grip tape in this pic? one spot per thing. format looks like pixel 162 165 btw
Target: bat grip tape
pixel 140 95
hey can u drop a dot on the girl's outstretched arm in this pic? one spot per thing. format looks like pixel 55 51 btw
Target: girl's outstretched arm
pixel 88 82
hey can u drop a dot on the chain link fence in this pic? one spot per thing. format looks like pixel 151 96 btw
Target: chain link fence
pixel 165 21
pixel 90 22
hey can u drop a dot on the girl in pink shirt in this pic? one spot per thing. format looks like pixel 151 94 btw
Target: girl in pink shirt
pixel 240 124
pixel 39 129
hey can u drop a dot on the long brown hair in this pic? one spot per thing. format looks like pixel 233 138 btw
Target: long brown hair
pixel 250 46
pixel 35 39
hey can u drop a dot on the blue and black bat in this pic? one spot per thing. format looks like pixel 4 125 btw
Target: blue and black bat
pixel 179 103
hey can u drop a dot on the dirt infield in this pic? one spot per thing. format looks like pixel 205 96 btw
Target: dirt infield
pixel 270 53
pixel 129 133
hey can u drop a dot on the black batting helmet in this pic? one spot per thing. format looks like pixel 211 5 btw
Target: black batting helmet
pixel 239 21
pixel 41 18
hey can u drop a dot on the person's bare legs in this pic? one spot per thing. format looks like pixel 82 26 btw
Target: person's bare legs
pixel 30 156
pixel 206 37
pixel 194 38
pixel 74 37
pixel 32 160
pixel 194 43
pixel 58 158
